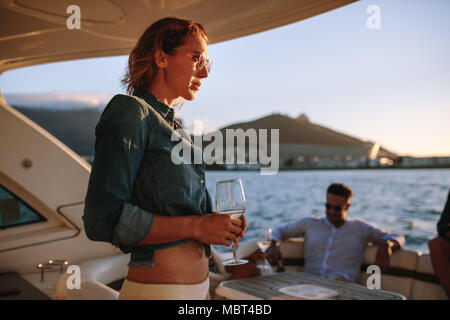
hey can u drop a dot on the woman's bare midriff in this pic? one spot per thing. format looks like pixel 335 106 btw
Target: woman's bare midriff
pixel 183 264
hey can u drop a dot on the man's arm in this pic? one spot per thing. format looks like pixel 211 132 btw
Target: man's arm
pixel 291 230
pixel 384 253
pixel 387 243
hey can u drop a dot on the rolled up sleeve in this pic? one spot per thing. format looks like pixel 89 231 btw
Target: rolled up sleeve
pixel 121 138
pixel 133 226
pixel 377 235
pixel 290 230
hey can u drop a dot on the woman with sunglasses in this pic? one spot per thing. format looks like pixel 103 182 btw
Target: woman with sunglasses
pixel 138 198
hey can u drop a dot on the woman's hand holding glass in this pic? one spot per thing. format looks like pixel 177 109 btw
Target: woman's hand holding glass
pixel 220 229
pixel 230 201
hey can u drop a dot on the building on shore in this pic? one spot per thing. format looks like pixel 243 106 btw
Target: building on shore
pixel 423 162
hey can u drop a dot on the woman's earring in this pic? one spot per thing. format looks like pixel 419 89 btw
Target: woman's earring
pixel 178 103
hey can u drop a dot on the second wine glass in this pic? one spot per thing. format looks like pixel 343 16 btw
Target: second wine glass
pixel 230 199
pixel 264 241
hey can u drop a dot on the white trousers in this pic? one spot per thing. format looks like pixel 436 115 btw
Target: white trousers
pixel 141 291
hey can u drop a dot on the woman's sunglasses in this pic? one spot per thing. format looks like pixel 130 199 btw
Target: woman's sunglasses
pixel 201 60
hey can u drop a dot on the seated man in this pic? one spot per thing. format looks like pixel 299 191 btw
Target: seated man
pixel 335 245
pixel 440 249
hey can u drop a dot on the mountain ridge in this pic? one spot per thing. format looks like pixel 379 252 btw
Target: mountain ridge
pixel 300 131
pixel 80 134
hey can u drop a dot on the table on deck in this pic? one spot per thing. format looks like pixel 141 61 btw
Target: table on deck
pixel 267 288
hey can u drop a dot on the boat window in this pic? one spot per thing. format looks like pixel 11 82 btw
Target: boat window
pixel 15 212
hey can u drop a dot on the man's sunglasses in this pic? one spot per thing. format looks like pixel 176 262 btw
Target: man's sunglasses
pixel 336 208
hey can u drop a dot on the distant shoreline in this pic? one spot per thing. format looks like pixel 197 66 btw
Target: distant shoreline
pixel 324 169
pixel 89 159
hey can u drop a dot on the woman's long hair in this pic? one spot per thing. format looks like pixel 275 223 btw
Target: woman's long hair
pixel 166 34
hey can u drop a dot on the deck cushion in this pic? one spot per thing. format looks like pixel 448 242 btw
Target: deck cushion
pixel 426 290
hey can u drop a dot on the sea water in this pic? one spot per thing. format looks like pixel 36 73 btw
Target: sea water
pixel 407 201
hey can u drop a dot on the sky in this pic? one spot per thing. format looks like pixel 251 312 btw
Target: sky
pixel 389 85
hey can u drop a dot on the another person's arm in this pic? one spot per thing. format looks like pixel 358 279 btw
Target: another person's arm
pixel 439 249
pixel 443 225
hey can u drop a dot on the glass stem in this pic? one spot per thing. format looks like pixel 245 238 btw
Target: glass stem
pixel 234 255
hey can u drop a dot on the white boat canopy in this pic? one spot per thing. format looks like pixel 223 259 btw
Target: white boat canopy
pixel 34 32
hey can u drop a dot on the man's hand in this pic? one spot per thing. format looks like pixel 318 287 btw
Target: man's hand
pixel 250 269
pixel 384 253
pixel 246 270
pixel 273 255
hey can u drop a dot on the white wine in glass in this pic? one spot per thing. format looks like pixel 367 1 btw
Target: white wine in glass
pixel 264 241
pixel 230 199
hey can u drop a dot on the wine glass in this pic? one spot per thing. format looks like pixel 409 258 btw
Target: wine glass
pixel 230 199
pixel 264 241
